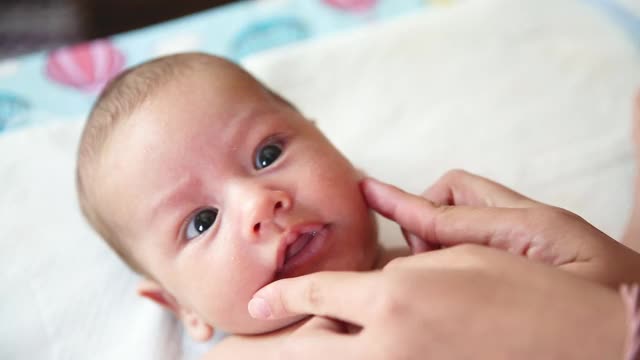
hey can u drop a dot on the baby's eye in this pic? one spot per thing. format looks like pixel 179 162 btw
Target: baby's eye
pixel 267 155
pixel 201 222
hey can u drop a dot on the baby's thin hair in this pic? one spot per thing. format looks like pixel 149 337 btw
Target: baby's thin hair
pixel 119 99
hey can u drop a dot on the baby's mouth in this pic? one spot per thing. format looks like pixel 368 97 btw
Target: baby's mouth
pixel 299 244
pixel 303 245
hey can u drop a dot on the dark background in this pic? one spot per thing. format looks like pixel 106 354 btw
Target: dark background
pixel 30 25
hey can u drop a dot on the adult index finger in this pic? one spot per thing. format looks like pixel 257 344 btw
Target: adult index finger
pixel 459 187
pixel 513 229
pixel 340 295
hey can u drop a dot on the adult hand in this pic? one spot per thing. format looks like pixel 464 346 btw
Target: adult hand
pixel 467 301
pixel 466 208
pixel 464 302
pixel 455 188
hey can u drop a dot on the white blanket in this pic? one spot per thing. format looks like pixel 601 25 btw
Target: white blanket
pixel 535 94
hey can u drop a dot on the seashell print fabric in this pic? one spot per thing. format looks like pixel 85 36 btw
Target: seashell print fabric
pixel 61 85
pixel 87 66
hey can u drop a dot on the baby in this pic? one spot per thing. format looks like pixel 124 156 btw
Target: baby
pixel 211 186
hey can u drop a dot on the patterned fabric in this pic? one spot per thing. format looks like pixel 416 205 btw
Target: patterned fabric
pixel 61 85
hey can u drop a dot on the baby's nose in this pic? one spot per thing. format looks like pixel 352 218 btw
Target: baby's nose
pixel 258 224
pixel 265 207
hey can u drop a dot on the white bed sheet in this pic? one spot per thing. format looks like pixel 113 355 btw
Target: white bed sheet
pixel 535 94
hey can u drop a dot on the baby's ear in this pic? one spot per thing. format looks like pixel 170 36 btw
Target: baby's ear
pixel 153 291
pixel 195 325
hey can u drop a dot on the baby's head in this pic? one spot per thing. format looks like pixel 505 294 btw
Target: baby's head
pixel 211 186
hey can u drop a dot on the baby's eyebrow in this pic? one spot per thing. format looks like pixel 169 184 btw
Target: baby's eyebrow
pixel 172 195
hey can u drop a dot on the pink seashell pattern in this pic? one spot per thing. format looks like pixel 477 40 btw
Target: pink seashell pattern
pixel 87 66
pixel 352 5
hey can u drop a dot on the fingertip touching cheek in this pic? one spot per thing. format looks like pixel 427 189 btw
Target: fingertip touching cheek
pixel 225 195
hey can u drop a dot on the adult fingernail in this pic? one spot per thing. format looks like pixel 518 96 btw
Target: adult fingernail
pixel 259 308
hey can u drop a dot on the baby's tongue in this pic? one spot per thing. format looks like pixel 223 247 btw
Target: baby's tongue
pixel 299 244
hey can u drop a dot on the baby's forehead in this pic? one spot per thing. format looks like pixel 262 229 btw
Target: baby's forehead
pixel 220 87
pixel 211 95
pixel 211 89
pixel 208 103
pixel 224 77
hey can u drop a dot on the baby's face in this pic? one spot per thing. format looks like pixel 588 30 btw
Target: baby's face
pixel 218 193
